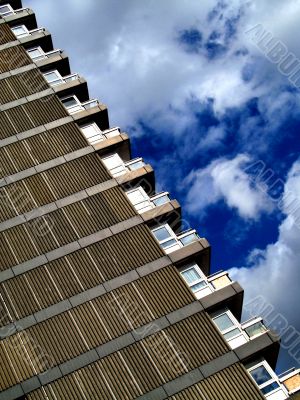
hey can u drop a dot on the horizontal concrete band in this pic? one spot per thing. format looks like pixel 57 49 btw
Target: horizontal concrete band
pixel 27 99
pixel 46 166
pixel 120 343
pixel 51 125
pixel 9 44
pixel 83 297
pixel 17 71
pixel 25 39
pixel 69 248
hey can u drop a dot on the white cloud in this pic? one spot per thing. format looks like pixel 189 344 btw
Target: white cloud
pixel 226 180
pixel 274 272
pixel 130 56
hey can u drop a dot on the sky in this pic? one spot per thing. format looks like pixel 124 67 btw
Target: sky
pixel 208 92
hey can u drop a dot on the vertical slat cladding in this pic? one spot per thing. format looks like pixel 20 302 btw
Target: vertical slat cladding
pixel 30 115
pixel 40 148
pixel 230 384
pixel 103 319
pixel 21 85
pixel 6 34
pixel 44 188
pixel 13 58
pixel 65 225
pixel 85 269
pixel 141 367
pixel 45 110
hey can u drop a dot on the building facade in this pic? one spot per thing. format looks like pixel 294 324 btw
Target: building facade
pixel 102 295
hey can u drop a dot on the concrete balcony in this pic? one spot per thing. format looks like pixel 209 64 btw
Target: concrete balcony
pixel 272 386
pixel 52 60
pixel 291 381
pixel 68 85
pixel 155 209
pixel 87 111
pixel 35 37
pixel 20 15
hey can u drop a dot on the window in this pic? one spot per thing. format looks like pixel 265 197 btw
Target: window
pixel 256 329
pixel 6 10
pixel 72 104
pixel 36 53
pixel 20 31
pixel 267 381
pixel 140 199
pixel 53 77
pixel 230 328
pixel 165 236
pixel 196 280
pixel 92 133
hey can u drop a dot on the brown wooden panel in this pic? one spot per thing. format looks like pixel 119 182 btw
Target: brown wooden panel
pixel 13 58
pixel 6 34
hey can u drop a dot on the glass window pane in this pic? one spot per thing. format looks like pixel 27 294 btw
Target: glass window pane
pixel 168 243
pixel 231 334
pixel 52 76
pixel 255 329
pixel 269 388
pixel 198 286
pixel 136 165
pixel 19 30
pixel 137 196
pixel 70 102
pixel 90 130
pixel 191 275
pixel 34 53
pixel 223 322
pixel 113 161
pixel 260 375
pixel 189 239
pixel 5 10
pixel 161 200
pixel 161 234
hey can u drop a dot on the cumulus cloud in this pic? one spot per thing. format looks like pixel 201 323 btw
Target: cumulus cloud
pixel 147 67
pixel 226 180
pixel 274 272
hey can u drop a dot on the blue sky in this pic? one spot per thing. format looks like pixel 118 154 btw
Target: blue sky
pixel 203 103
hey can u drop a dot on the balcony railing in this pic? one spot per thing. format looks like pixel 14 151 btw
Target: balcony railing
pixel 115 164
pixel 142 202
pixel 10 11
pixel 291 380
pixel 78 106
pixel 273 386
pixel 37 54
pixel 64 79
pixel 25 32
pixel 170 242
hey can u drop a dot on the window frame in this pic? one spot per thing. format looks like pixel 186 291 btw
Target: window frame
pixel 23 34
pixel 274 378
pixel 171 237
pixel 42 55
pixel 59 78
pixel 235 324
pixel 73 110
pixel 146 199
pixel 98 132
pixel 203 278
pixel 7 13
pixel 121 165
